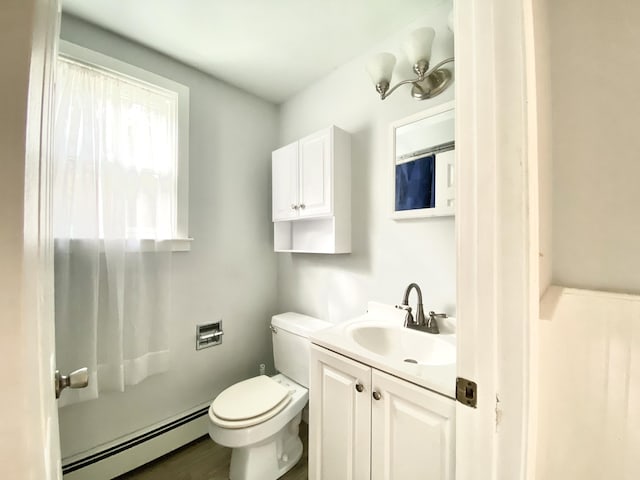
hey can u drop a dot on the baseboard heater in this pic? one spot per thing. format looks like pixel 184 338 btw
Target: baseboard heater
pixel 176 428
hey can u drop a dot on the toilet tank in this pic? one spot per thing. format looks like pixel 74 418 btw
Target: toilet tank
pixel 291 344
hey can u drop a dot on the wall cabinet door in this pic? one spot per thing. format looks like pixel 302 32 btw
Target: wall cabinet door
pixel 339 417
pixel 413 432
pixel 315 157
pixel 284 174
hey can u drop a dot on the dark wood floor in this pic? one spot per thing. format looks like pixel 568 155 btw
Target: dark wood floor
pixel 205 460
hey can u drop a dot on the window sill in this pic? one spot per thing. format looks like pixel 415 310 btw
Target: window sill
pixel 143 245
pixel 175 245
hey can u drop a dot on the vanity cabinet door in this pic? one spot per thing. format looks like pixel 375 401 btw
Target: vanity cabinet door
pixel 339 417
pixel 315 152
pixel 413 431
pixel 284 170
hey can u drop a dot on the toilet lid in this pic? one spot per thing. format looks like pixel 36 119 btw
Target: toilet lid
pixel 249 398
pixel 249 422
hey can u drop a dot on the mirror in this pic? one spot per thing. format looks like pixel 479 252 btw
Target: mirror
pixel 423 150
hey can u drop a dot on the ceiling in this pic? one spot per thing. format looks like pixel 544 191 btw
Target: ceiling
pixel 272 48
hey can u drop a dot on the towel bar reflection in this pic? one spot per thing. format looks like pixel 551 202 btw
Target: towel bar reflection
pixel 443 147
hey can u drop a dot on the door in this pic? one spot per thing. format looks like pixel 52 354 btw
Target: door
pixel 284 174
pixel 412 431
pixel 339 417
pixel 29 440
pixel 315 152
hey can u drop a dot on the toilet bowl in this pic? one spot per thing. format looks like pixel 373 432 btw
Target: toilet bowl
pixel 259 417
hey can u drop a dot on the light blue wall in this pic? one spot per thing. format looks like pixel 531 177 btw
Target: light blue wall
pixel 230 271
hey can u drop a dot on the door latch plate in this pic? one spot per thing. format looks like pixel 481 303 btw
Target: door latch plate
pixel 467 392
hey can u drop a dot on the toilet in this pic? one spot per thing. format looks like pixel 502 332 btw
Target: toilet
pixel 259 418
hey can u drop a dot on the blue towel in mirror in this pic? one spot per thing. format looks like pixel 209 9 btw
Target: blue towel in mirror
pixel 416 184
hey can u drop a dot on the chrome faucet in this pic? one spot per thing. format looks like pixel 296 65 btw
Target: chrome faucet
pixel 421 323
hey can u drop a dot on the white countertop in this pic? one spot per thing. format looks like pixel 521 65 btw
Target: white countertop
pixel 438 378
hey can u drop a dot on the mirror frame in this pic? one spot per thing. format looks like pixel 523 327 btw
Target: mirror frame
pixel 418 212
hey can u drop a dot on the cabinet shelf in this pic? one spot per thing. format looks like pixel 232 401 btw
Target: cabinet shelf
pixel 316 235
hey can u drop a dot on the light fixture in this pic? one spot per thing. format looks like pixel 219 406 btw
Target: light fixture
pixel 428 84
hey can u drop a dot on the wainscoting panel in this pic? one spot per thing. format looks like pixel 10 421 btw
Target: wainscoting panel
pixel 589 386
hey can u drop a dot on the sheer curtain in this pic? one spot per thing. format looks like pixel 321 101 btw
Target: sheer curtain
pixel 114 202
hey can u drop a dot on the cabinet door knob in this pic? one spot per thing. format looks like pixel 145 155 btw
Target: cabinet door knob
pixel 377 395
pixel 294 207
pixel 359 387
pixel 303 206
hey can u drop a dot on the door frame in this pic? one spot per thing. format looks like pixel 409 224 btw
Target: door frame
pixel 497 237
pixel 496 246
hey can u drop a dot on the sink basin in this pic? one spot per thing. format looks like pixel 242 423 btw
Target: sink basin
pixel 378 339
pixel 404 345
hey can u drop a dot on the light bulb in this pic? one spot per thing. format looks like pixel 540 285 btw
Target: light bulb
pixel 418 45
pixel 380 67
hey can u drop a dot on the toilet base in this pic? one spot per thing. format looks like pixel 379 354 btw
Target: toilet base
pixel 269 459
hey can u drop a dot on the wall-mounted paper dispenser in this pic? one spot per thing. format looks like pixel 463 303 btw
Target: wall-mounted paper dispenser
pixel 208 335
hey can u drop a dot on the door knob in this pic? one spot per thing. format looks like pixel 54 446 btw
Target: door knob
pixel 377 395
pixel 359 387
pixel 76 379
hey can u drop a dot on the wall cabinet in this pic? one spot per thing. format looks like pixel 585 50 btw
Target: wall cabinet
pixel 311 201
pixel 366 424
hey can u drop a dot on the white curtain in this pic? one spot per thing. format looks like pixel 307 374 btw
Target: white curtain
pixel 114 210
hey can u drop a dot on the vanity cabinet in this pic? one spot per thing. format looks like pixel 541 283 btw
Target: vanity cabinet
pixel 311 197
pixel 367 424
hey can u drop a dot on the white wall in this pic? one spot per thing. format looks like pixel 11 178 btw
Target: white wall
pixel 230 270
pixel 595 66
pixel 589 420
pixel 589 341
pixel 386 255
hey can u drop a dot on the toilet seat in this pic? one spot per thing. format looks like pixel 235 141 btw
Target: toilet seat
pixel 249 402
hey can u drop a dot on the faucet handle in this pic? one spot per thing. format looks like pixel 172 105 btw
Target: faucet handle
pixel 433 314
pixel 408 319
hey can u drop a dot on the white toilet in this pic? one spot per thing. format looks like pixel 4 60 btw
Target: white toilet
pixel 259 417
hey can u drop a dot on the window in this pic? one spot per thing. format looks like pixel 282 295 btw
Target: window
pixel 125 136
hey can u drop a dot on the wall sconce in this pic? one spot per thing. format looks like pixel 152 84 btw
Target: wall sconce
pixel 417 47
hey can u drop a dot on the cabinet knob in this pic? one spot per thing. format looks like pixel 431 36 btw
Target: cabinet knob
pixel 359 387
pixel 303 206
pixel 377 395
pixel 294 207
